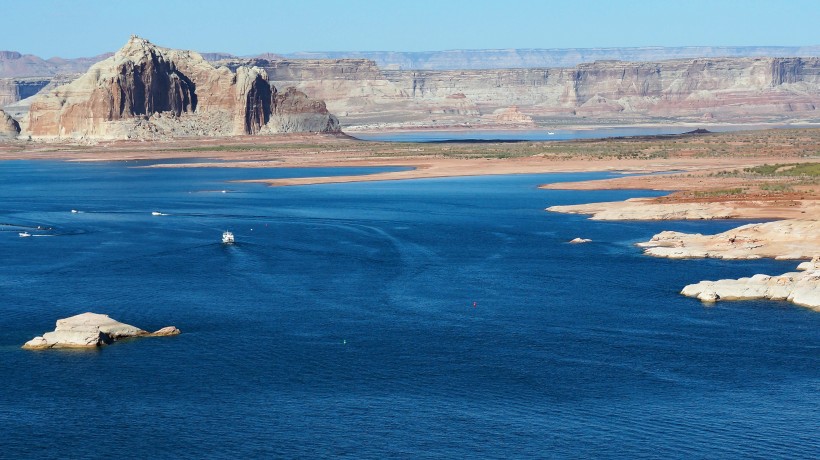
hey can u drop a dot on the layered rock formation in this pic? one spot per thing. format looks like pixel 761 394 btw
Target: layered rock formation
pixel 144 91
pixel 512 116
pixel 91 330
pixel 8 126
pixel 695 89
pixel 713 89
pixel 801 288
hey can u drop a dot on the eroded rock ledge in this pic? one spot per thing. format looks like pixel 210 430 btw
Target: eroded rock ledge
pixel 91 330
pixel 800 288
pixel 783 239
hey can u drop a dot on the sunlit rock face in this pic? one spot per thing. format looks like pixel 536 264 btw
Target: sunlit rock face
pixel 697 89
pixel 145 91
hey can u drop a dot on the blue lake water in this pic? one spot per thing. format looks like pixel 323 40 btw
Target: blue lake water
pixel 342 324
pixel 546 134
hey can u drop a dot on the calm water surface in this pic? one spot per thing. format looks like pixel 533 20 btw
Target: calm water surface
pixel 342 324
pixel 545 134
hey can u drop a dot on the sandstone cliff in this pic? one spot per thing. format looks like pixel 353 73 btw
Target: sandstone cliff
pixel 713 89
pixel 8 126
pixel 144 91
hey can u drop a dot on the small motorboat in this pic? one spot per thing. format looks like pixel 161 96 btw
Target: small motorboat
pixel 227 237
pixel 550 133
pixel 156 213
pixel 24 234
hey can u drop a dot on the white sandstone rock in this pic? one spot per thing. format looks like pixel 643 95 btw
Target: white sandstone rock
pixel 88 330
pixel 800 288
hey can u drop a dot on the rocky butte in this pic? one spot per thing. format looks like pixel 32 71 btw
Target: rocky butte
pixel 147 92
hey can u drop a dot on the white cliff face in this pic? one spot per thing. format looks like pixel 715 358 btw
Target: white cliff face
pixel 717 89
pixel 90 330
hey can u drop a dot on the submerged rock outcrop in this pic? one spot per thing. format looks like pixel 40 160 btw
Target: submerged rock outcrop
pixel 145 91
pixel 91 330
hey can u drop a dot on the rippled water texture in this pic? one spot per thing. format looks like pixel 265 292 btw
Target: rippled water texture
pixel 342 324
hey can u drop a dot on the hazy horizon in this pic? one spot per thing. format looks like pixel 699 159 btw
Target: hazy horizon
pixel 371 26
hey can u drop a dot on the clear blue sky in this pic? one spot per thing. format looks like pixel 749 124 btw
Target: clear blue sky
pixel 74 28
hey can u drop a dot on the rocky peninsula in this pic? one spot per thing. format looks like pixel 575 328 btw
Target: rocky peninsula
pixel 783 239
pixel 91 330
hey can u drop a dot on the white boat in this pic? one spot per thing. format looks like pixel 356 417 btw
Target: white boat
pixel 550 133
pixel 227 237
pixel 156 213
pixel 24 234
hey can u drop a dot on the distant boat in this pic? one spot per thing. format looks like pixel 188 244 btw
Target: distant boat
pixel 550 133
pixel 24 234
pixel 74 211
pixel 227 238
pixel 156 213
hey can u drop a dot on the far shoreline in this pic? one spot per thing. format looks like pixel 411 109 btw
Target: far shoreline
pixel 684 163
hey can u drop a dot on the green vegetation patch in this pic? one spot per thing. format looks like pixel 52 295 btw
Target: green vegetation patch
pixel 786 169
pixel 719 192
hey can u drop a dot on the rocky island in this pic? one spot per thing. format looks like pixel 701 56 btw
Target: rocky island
pixel 91 330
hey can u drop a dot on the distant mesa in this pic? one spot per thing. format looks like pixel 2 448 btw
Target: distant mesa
pixel 14 64
pixel 510 116
pixel 147 92
pixel 91 330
